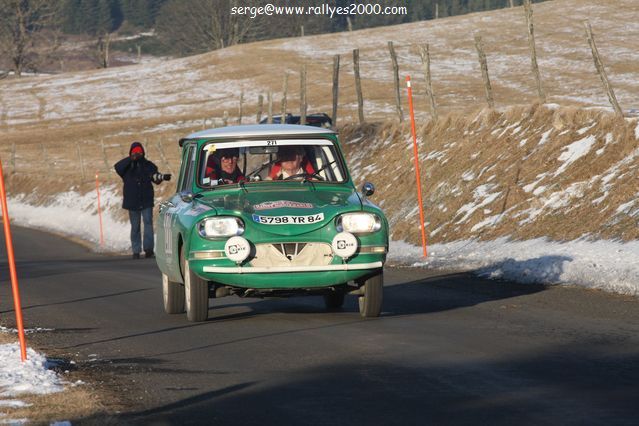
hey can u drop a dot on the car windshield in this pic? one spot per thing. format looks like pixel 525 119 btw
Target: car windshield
pixel 224 163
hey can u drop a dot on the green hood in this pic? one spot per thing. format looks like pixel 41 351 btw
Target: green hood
pixel 266 203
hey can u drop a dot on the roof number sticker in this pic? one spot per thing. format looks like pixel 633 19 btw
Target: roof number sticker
pixel 289 220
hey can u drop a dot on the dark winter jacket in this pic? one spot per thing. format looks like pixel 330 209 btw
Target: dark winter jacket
pixel 137 176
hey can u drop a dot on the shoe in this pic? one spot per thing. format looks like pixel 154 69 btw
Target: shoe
pixel 136 255
pixel 148 254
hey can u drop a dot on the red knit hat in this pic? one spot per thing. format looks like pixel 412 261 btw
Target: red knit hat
pixel 137 150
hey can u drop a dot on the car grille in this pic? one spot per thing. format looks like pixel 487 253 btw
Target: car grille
pixel 292 254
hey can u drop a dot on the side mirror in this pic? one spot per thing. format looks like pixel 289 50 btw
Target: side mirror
pixel 186 196
pixel 368 189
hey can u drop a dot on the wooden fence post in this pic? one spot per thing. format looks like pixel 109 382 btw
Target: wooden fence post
pixel 240 110
pixel 104 156
pixel 533 51
pixel 225 118
pixel 398 99
pixel 42 106
pixel 4 116
pixel 303 95
pixel 260 105
pixel 601 70
pixel 13 157
pixel 335 89
pixel 512 4
pixel 269 116
pixel 436 10
pixel 350 24
pixel 302 30
pixel 358 86
pixel 424 52
pixel 79 151
pixel 284 95
pixel 484 71
pixel 161 151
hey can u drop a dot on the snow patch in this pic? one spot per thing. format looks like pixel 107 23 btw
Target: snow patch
pixel 29 377
pixel 482 198
pixel 544 137
pixel 574 152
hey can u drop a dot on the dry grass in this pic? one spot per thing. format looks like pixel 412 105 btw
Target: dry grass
pixel 461 154
pixel 73 403
pixel 6 338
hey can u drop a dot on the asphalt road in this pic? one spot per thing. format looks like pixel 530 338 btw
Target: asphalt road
pixel 449 348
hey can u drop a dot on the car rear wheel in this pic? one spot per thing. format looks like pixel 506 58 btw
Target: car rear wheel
pixel 196 292
pixel 370 304
pixel 334 300
pixel 173 295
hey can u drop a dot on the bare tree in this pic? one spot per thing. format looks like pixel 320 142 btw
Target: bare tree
pixel 26 28
pixel 203 25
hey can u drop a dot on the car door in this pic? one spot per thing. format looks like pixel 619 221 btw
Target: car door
pixel 167 238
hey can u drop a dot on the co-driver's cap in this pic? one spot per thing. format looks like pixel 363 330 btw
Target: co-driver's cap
pixel 137 150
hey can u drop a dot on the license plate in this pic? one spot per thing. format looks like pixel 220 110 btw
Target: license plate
pixel 289 220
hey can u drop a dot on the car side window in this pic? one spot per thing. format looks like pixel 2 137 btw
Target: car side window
pixel 187 175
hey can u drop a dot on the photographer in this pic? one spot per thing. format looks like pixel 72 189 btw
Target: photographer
pixel 137 173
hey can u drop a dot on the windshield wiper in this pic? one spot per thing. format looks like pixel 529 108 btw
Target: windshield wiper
pixel 321 169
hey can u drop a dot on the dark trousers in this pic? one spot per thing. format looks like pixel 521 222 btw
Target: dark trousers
pixel 135 217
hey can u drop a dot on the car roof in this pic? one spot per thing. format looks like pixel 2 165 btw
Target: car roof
pixel 257 130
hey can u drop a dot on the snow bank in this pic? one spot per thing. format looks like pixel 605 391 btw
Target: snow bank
pixel 30 377
pixel 592 264
pixel 82 208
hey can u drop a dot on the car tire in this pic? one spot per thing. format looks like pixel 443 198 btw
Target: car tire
pixel 334 300
pixel 370 304
pixel 196 291
pixel 173 295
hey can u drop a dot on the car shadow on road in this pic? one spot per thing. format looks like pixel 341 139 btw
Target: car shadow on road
pixel 449 291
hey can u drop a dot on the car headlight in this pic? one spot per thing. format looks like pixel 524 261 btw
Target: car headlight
pixel 358 223
pixel 220 227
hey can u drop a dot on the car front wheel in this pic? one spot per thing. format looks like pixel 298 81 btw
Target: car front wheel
pixel 370 304
pixel 173 295
pixel 196 291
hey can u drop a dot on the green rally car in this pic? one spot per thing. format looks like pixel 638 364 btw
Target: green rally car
pixel 269 211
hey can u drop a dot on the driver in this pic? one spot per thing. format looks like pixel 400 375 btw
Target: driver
pixel 222 166
pixel 291 162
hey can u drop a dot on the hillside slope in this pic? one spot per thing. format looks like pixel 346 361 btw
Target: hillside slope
pixel 520 171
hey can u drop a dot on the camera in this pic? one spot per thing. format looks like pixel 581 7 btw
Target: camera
pixel 159 177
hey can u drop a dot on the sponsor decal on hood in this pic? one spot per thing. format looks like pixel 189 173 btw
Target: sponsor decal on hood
pixel 268 205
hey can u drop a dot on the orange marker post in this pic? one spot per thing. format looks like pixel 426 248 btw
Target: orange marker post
pixel 417 174
pixel 12 268
pixel 97 188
